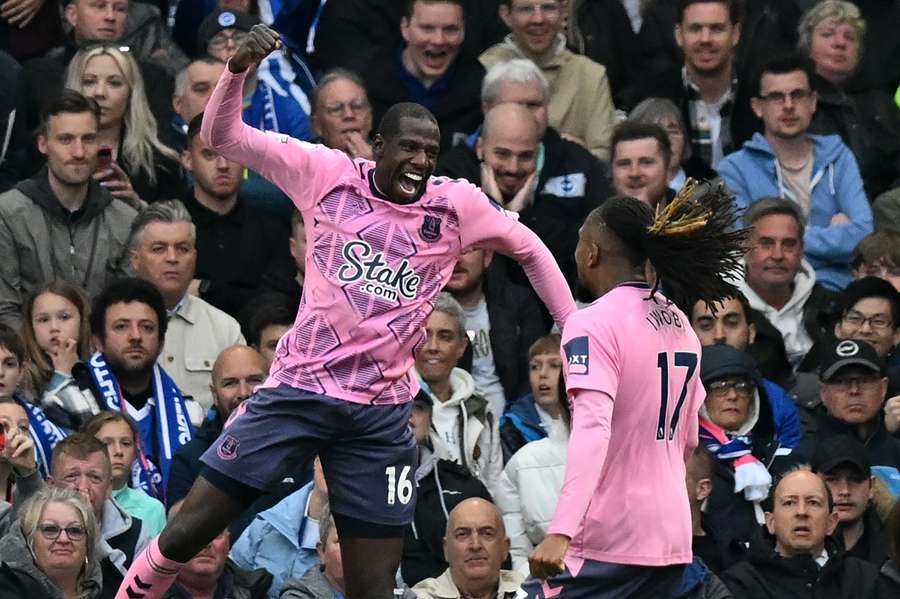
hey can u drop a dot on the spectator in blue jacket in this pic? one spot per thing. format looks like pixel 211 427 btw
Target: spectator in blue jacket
pixel 818 172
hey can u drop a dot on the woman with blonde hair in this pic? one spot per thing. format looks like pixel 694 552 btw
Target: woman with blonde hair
pixel 50 554
pixel 134 165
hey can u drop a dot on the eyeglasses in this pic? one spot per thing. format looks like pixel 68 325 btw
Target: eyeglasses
pixel 879 322
pixel 862 383
pixel 721 387
pixel 356 106
pixel 779 97
pixel 551 9
pixel 221 39
pixel 51 532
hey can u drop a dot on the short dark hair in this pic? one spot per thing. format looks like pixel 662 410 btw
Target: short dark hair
pixel 12 342
pixel 735 8
pixel 410 5
pixel 742 300
pixel 126 291
pixel 783 64
pixel 68 102
pixel 865 288
pixel 632 131
pixel 771 206
pixel 79 446
pixel 266 310
pixel 390 122
pixel 194 128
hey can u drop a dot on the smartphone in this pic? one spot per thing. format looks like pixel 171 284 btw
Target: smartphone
pixel 2 438
pixel 104 158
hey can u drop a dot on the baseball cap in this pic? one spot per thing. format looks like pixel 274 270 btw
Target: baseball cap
pixel 720 360
pixel 849 352
pixel 839 450
pixel 220 19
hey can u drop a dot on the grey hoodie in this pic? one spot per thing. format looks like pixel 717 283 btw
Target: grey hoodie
pixel 25 488
pixel 15 553
pixel 314 585
pixel 113 522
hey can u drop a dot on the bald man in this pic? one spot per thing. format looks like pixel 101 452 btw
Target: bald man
pixel 475 546
pixel 508 151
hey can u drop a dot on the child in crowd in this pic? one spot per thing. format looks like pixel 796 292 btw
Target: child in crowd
pixel 119 433
pixel 57 337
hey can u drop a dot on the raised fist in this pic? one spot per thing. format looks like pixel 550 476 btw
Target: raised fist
pixel 261 42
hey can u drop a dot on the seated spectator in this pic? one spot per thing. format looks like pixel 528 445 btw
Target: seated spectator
pixel 44 433
pixel 640 163
pixel 80 463
pixel 50 552
pixel 324 580
pixel 475 546
pixel 502 319
pixel 816 172
pixel 736 324
pixel 738 428
pixel 342 115
pixel 853 387
pixel 878 255
pixel 462 420
pixel 569 181
pixel 211 574
pixel 580 105
pixel 699 580
pixel 276 91
pixel 797 558
pixel 57 333
pixel 39 238
pixel 194 84
pixel 12 119
pixel 684 163
pixel 832 35
pixel 92 22
pixel 441 485
pixel 237 371
pixel 429 70
pixel 142 169
pixel 890 571
pixel 283 540
pixel 163 253
pixel 120 435
pixel 128 326
pixel 533 416
pixel 778 282
pixel 266 320
pixel 529 487
pixel 148 36
pixel 843 463
pixel 235 244
pixel 19 475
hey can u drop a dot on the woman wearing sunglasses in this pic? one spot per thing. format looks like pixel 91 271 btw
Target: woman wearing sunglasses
pixel 51 553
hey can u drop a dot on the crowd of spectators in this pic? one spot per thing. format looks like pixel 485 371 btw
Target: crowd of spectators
pixel 145 280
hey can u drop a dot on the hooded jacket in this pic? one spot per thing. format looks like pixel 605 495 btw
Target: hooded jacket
pixel 121 538
pixel 275 540
pixel 797 319
pixel 26 486
pixel 890 578
pixel 767 575
pixel 21 577
pixel 474 427
pixel 41 241
pixel 753 173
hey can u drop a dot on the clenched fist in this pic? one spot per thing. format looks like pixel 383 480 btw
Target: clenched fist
pixel 261 42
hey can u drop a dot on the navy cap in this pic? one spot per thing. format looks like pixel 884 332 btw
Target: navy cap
pixel 720 361
pixel 220 19
pixel 838 451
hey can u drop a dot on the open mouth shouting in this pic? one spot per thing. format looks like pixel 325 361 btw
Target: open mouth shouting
pixel 410 184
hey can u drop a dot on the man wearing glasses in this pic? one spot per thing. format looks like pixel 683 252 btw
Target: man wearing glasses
pixel 816 172
pixel 853 389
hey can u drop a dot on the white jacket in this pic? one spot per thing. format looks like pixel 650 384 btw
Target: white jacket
pixel 529 490
pixel 472 424
pixel 788 320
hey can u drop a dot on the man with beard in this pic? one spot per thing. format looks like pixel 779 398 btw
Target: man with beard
pixel 383 239
pixel 633 350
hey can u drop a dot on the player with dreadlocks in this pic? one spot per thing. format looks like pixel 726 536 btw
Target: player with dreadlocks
pixel 622 526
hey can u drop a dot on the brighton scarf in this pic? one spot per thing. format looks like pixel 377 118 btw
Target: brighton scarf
pixel 171 427
pixel 44 433
pixel 750 475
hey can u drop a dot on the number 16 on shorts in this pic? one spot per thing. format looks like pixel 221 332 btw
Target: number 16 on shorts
pixel 398 488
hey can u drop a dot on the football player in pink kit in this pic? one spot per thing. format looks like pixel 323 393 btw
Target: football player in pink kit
pixel 383 239
pixel 622 527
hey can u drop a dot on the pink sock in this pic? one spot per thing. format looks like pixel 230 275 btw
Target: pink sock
pixel 150 576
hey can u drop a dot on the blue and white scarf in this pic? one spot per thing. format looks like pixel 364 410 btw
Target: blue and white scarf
pixel 44 433
pixel 171 427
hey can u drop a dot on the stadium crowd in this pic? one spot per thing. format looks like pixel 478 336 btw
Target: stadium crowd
pixel 146 280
